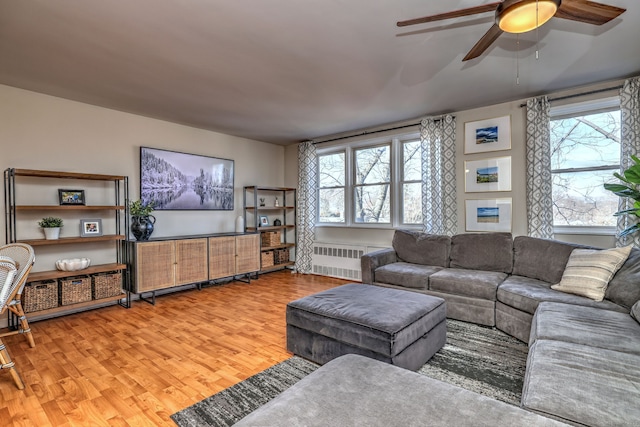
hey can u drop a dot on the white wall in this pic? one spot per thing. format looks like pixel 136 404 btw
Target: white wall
pixel 382 237
pixel 44 132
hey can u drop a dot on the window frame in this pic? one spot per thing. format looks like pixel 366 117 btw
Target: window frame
pixel 349 147
pixel 602 105
pixel 343 187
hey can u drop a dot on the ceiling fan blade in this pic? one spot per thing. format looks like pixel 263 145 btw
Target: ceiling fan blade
pixel 484 43
pixel 588 11
pixel 491 7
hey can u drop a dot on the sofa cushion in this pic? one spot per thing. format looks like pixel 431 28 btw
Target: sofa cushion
pixel 589 271
pixel 472 283
pixel 624 288
pixel 487 252
pixel 404 274
pixel 541 259
pixel 421 248
pixel 525 294
pixel 587 326
pixel 635 311
pixel 584 384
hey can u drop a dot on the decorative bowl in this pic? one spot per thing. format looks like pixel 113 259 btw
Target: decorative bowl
pixel 73 264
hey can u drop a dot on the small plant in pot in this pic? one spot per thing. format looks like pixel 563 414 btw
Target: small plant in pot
pixel 141 219
pixel 630 188
pixel 51 227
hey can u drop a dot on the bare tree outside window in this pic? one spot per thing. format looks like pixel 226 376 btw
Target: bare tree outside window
pixel 331 181
pixel 411 183
pixel 373 180
pixel 585 151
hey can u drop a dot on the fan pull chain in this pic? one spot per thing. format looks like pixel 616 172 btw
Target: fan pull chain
pixel 518 59
pixel 537 29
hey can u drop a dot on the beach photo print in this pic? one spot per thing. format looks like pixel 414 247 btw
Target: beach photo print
pixel 488 215
pixel 487 135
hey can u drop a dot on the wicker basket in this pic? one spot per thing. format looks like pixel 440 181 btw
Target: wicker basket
pixel 270 238
pixel 280 256
pixel 266 259
pixel 107 285
pixel 75 289
pixel 41 295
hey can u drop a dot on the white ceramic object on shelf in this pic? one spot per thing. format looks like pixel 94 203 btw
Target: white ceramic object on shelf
pixel 73 264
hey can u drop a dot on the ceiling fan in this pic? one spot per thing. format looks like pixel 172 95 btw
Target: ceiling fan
pixel 520 16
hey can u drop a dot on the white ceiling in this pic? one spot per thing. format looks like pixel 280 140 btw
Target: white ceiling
pixel 283 71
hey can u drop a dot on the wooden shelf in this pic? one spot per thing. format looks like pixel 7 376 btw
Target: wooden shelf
pixel 252 188
pixel 269 208
pixel 57 274
pixel 68 208
pixel 277 267
pixel 67 175
pixel 271 227
pixel 79 305
pixel 66 240
pixel 282 246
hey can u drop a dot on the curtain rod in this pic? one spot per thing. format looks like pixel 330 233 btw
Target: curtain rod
pixel 560 98
pixel 367 133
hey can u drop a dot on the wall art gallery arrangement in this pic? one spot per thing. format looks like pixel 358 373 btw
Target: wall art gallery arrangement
pixel 178 181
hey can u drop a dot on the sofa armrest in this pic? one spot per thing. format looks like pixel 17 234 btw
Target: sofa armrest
pixel 369 262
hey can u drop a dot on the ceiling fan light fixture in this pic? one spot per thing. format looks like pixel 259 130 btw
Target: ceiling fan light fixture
pixel 520 16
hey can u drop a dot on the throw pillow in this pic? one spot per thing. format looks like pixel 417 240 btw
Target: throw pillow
pixel 635 311
pixel 589 271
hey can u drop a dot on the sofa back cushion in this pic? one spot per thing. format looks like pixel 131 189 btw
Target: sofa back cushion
pixel 488 252
pixel 422 248
pixel 624 288
pixel 541 259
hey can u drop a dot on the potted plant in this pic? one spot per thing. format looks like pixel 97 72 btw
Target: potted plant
pixel 141 219
pixel 51 227
pixel 630 188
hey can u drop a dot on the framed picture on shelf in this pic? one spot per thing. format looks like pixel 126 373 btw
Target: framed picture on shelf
pixel 264 221
pixel 488 215
pixel 90 227
pixel 71 197
pixel 487 175
pixel 487 135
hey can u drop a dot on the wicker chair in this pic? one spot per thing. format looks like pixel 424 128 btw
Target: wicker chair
pixel 24 257
pixel 8 273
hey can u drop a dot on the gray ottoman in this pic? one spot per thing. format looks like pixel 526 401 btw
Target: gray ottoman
pixel 398 327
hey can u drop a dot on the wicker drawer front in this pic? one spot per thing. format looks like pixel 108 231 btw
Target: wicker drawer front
pixel 267 259
pixel 75 289
pixel 270 238
pixel 41 295
pixel 107 284
pixel 280 256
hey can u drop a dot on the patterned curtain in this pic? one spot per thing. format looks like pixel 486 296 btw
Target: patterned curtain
pixel 538 152
pixel 307 205
pixel 630 112
pixel 438 145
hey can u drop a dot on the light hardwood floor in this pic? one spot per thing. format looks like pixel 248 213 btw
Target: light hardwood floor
pixel 136 367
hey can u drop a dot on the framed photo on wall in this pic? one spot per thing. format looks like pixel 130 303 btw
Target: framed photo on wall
pixel 487 175
pixel 488 215
pixel 487 135
pixel 90 227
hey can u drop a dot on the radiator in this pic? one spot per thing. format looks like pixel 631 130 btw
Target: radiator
pixel 339 260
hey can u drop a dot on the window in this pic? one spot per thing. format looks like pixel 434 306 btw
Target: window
pixel 374 182
pixel 331 183
pixel 585 151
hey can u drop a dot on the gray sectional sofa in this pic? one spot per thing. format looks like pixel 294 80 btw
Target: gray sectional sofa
pixel 583 365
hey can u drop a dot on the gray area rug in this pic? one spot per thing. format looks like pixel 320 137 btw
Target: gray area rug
pixel 477 358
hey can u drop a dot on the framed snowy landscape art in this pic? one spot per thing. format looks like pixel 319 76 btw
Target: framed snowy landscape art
pixel 179 181
pixel 487 135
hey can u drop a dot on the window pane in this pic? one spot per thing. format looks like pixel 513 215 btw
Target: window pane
pixel 579 199
pixel 331 206
pixel 372 204
pixel 373 165
pixel 331 170
pixel 412 203
pixel 586 141
pixel 412 163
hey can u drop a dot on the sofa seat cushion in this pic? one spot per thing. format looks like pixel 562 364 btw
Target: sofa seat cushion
pixel 587 326
pixel 357 391
pixel 583 384
pixel 487 252
pixel 405 274
pixel 471 283
pixel 422 248
pixel 525 294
